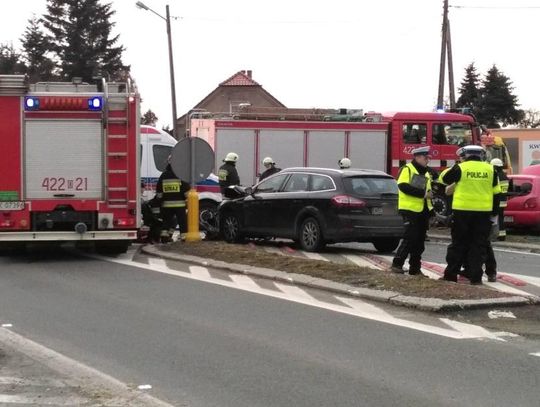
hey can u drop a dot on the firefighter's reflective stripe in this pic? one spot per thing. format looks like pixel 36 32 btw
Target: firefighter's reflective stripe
pixel 475 190
pixel 171 185
pixel 173 204
pixel 505 184
pixel 223 174
pixel 409 202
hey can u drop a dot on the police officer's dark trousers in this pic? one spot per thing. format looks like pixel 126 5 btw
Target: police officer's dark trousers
pixel 416 225
pixel 470 234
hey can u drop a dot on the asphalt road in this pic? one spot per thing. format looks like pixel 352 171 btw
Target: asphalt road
pixel 508 260
pixel 202 344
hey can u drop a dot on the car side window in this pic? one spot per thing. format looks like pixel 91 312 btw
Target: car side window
pixel 414 133
pixel 297 183
pixel 321 183
pixel 272 184
pixel 161 154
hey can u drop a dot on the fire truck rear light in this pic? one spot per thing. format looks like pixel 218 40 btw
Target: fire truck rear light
pixel 124 222
pixel 31 103
pixel 95 103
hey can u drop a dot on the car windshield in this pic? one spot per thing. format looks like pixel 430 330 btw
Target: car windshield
pixel 370 186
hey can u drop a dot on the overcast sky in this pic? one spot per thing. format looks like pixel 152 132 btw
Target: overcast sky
pixel 377 55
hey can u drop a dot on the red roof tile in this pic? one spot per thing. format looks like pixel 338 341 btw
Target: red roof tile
pixel 239 79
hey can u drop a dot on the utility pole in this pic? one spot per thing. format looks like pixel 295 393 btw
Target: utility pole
pixel 444 32
pixel 450 66
pixel 446 50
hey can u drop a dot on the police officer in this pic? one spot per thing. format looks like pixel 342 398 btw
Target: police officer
pixel 171 191
pixel 227 174
pixel 344 163
pixel 475 200
pixel 271 168
pixel 414 183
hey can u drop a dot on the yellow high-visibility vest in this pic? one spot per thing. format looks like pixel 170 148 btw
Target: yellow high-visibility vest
pixel 474 191
pixel 409 202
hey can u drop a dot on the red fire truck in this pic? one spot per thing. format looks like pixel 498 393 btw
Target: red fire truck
pixel 70 163
pixel 371 140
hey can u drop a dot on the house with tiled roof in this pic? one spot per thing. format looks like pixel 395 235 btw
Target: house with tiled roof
pixel 238 90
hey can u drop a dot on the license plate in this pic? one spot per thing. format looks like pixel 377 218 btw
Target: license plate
pixel 377 211
pixel 12 206
pixel 509 219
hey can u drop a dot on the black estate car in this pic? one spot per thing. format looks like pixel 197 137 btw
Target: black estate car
pixel 316 206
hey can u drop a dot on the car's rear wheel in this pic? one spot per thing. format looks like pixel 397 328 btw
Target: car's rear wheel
pixel 386 245
pixel 310 235
pixel 230 228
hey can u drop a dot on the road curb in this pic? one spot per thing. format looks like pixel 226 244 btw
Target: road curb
pixel 531 247
pixel 424 304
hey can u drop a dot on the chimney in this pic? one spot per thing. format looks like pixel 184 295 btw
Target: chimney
pixel 249 73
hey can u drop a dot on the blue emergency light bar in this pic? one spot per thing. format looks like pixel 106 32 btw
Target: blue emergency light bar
pixel 31 103
pixel 95 103
pixel 67 103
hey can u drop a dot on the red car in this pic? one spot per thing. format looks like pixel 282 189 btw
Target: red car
pixel 523 210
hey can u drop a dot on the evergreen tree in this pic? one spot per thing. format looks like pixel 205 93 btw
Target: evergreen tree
pixel 35 48
pixel 10 60
pixel 149 118
pixel 497 103
pixel 468 89
pixel 80 36
pixel 531 119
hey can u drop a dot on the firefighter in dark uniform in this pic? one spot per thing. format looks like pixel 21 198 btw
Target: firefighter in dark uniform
pixel 475 201
pixel 227 174
pixel 271 168
pixel 172 192
pixel 504 182
pixel 414 204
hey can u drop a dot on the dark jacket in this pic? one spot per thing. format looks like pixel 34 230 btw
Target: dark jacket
pixel 173 195
pixel 228 175
pixel 270 171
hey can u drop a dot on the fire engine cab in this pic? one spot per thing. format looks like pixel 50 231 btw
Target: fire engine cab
pixel 70 167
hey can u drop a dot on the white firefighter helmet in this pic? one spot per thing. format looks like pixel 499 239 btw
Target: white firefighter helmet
pixel 497 162
pixel 231 157
pixel 268 160
pixel 344 163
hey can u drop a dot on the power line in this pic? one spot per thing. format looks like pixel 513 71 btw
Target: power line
pixel 497 7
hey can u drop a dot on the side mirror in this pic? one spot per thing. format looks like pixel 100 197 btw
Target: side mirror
pixel 248 190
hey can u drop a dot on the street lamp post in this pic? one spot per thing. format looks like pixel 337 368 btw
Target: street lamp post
pixel 167 19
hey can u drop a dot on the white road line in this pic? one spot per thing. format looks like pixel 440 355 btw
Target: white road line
pixel 241 282
pixel 358 260
pixel 473 330
pixel 522 252
pixel 294 292
pixel 506 288
pixel 364 307
pixel 244 281
pixel 535 354
pixel 314 256
pixel 199 271
pixel 85 376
